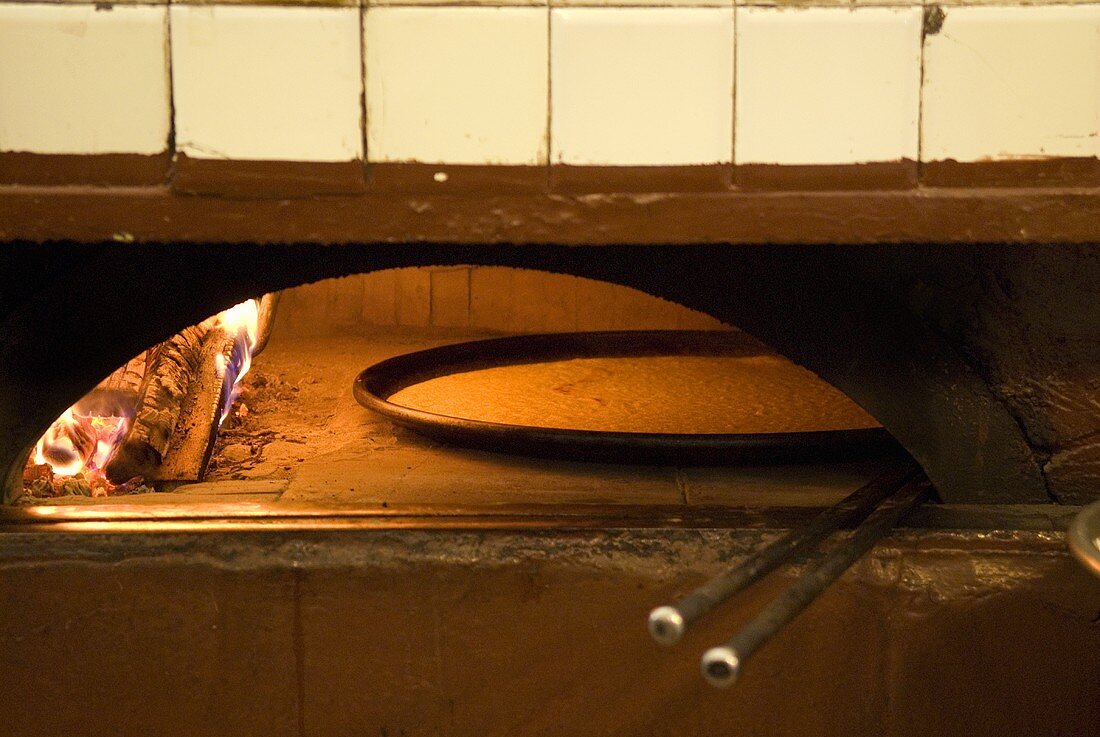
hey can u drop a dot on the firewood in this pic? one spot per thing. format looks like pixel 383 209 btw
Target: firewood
pixel 269 303
pixel 180 401
pixel 127 378
pixel 118 394
pixel 170 370
pixel 193 440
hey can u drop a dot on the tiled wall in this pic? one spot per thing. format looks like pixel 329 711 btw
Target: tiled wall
pixel 592 83
pixel 482 298
pixel 266 83
pixel 1031 87
pixel 827 85
pixel 75 80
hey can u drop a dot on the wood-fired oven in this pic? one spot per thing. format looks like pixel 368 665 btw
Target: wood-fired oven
pixel 902 199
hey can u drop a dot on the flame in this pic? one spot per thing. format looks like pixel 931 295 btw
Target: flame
pixel 84 441
pixel 241 321
pixel 110 432
pixel 77 442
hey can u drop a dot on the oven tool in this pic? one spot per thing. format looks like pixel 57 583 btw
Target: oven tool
pixel 377 383
pixel 721 665
pixel 668 623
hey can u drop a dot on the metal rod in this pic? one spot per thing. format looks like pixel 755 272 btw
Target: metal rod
pixel 721 665
pixel 668 623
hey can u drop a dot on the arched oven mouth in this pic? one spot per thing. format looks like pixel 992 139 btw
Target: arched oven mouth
pixel 826 313
pixel 203 419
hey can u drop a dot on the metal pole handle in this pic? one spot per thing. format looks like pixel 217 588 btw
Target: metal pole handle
pixel 721 665
pixel 667 624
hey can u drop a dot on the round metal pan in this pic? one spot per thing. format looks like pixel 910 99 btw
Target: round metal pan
pixel 376 384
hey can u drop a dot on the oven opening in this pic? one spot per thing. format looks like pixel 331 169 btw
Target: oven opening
pixel 254 408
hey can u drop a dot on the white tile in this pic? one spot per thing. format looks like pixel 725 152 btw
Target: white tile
pixel 945 4
pixel 456 85
pixel 849 4
pixel 267 83
pixel 1010 83
pixel 641 86
pixel 827 85
pixel 86 2
pixel 74 80
pixel 458 3
pixel 641 3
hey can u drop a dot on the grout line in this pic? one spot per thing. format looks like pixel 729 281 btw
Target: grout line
pixel 171 142
pixel 643 5
pixel 230 4
pixel 920 103
pixel 363 80
pixel 570 6
pixel 733 104
pixel 549 94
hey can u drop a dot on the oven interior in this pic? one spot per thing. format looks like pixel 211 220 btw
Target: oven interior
pixel 288 433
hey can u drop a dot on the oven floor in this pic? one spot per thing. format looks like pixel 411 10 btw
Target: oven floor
pixel 299 437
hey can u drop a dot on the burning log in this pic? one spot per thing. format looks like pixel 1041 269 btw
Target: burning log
pixel 118 394
pixel 155 418
pixel 193 440
pixel 127 379
pixel 190 383
pixel 265 320
pixel 166 383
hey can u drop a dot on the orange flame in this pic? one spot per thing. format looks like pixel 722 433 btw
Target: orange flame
pixel 241 321
pixel 78 442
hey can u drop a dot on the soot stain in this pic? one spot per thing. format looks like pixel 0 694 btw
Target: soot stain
pixel 934 17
